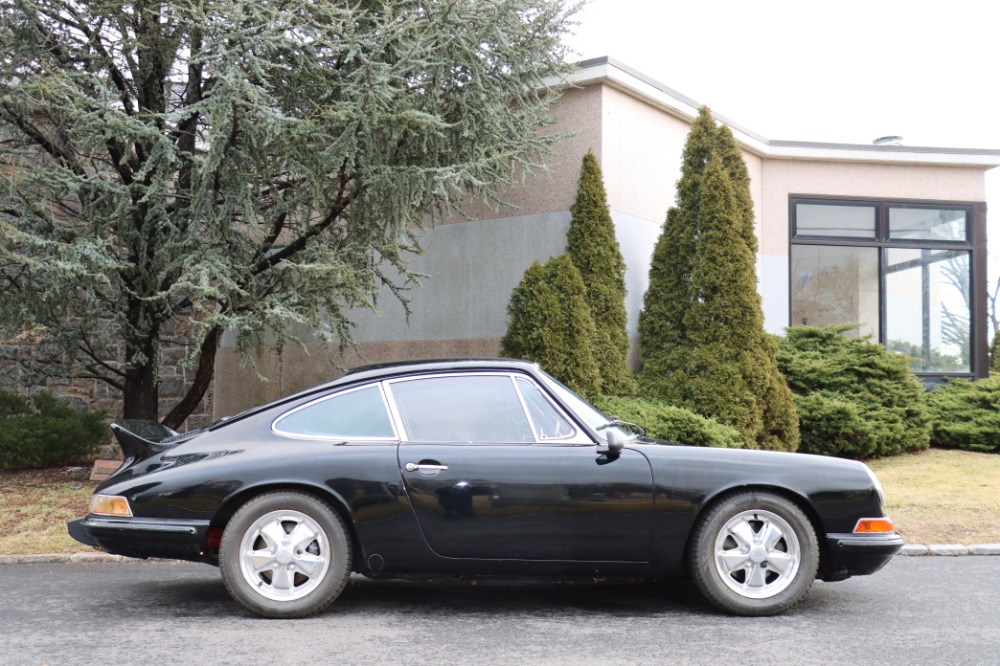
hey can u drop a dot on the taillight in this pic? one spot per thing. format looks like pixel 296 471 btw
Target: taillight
pixel 110 505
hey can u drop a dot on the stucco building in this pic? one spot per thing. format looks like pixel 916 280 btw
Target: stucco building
pixel 892 237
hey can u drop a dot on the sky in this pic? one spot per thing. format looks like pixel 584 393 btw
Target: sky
pixel 845 72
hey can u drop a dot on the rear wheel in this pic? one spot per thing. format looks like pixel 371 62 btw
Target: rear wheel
pixel 754 553
pixel 285 554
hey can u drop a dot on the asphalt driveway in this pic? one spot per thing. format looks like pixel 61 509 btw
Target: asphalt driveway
pixel 919 610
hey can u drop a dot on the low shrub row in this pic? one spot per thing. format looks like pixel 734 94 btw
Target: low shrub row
pixel 41 430
pixel 854 398
pixel 966 415
pixel 672 424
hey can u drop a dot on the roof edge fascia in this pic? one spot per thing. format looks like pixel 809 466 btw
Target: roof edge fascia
pixel 608 71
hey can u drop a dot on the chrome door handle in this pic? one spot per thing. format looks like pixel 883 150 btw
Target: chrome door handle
pixel 413 467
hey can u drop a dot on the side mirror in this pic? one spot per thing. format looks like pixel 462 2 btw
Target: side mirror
pixel 616 442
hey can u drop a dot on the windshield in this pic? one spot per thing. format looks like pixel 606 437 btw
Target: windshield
pixel 584 410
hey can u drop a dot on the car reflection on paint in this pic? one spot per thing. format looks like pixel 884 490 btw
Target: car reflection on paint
pixel 478 467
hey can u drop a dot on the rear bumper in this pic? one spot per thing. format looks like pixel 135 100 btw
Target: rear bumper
pixel 859 554
pixel 141 537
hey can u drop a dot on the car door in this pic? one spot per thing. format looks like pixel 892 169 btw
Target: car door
pixel 493 469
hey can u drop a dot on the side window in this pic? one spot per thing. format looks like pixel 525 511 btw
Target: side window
pixel 359 414
pixel 548 423
pixel 470 408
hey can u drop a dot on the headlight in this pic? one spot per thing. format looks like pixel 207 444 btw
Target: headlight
pixel 110 505
pixel 875 482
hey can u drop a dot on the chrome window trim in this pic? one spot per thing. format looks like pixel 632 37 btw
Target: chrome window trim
pixel 538 436
pixel 338 438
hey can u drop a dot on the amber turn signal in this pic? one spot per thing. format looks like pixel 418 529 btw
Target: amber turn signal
pixel 874 525
pixel 110 505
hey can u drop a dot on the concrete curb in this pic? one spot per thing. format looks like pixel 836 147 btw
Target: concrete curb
pixel 97 557
pixel 951 549
pixel 86 557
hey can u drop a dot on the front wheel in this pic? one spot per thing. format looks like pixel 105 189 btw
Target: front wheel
pixel 285 554
pixel 754 553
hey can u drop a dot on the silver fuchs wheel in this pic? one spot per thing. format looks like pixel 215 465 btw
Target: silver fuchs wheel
pixel 754 553
pixel 285 554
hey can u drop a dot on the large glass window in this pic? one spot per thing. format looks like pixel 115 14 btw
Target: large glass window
pixel 927 304
pixel 835 285
pixel 901 270
pixel 934 224
pixel 837 221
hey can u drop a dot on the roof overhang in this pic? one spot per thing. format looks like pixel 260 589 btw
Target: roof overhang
pixel 610 72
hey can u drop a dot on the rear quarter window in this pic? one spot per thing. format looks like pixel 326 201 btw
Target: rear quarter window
pixel 356 414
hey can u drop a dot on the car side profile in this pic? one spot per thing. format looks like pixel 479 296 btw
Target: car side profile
pixel 478 467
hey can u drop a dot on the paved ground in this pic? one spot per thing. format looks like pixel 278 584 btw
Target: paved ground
pixel 919 610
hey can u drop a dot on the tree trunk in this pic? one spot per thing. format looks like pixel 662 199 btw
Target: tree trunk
pixel 142 392
pixel 142 388
pixel 199 385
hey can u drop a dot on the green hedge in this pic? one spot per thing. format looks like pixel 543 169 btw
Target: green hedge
pixel 854 399
pixel 966 415
pixel 41 430
pixel 672 424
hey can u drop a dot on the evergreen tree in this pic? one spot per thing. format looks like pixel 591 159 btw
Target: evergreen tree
pixel 661 322
pixel 592 246
pixel 551 324
pixel 707 349
pixel 173 169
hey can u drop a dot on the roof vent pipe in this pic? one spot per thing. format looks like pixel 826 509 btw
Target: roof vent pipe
pixel 888 141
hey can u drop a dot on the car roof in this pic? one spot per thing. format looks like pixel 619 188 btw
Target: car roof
pixel 380 371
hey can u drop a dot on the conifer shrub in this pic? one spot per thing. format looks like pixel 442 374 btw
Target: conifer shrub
pixel 41 430
pixel 701 330
pixel 671 424
pixel 594 249
pixel 966 415
pixel 854 399
pixel 550 323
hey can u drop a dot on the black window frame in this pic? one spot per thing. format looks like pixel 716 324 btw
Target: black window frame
pixel 974 244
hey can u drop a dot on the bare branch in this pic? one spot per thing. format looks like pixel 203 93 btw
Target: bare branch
pixel 88 349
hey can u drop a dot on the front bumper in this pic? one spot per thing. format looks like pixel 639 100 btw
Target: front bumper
pixel 142 537
pixel 858 554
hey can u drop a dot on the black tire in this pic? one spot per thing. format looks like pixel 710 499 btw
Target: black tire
pixel 754 553
pixel 285 555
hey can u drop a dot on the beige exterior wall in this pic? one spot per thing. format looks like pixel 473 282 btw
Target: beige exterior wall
pixel 640 155
pixel 552 189
pixel 755 167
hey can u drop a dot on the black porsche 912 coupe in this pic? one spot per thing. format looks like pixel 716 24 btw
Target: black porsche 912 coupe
pixel 478 467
